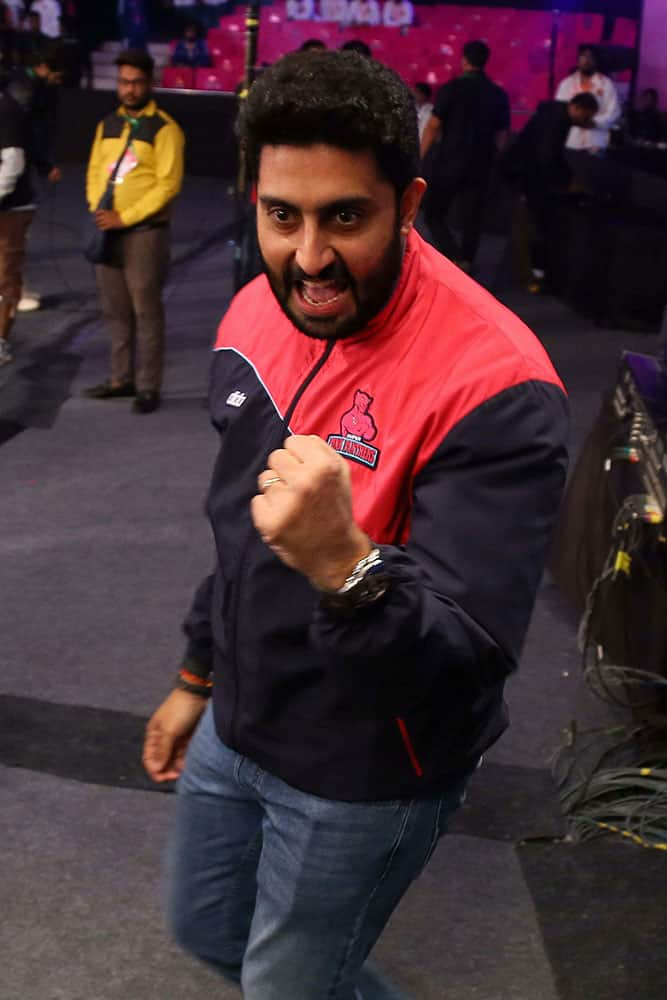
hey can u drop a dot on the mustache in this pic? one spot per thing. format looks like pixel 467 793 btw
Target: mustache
pixel 336 271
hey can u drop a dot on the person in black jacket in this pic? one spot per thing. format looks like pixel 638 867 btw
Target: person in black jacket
pixel 646 122
pixel 469 123
pixel 17 208
pixel 536 163
pixel 36 88
pixel 392 453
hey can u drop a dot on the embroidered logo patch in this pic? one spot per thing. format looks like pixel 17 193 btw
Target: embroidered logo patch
pixel 357 430
pixel 236 398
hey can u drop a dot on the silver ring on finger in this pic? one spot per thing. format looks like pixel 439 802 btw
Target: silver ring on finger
pixel 271 481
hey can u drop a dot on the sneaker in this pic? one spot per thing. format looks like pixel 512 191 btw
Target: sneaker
pixel 29 302
pixel 105 390
pixel 5 353
pixel 146 402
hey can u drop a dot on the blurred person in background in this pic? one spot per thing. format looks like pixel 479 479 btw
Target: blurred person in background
pixel 7 34
pixel 586 79
pixel 133 23
pixel 17 208
pixel 311 44
pixel 364 13
pixel 30 38
pixel 300 10
pixel 469 124
pixel 149 145
pixel 335 10
pixel 73 49
pixel 536 163
pixel 50 13
pixel 191 50
pixel 14 12
pixel 424 101
pixel 397 14
pixel 36 88
pixel 646 122
pixel 357 45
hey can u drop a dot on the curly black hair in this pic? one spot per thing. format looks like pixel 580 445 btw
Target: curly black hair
pixel 340 99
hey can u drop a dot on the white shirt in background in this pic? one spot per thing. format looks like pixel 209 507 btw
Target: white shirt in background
pixel 335 10
pixel 397 15
pixel 300 10
pixel 50 13
pixel 609 110
pixel 364 12
pixel 423 115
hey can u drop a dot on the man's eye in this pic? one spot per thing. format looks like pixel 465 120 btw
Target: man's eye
pixel 281 215
pixel 347 217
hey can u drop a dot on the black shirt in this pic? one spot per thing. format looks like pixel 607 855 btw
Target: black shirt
pixel 39 100
pixel 472 110
pixel 537 155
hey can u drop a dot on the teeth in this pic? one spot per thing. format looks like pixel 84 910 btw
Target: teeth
pixel 320 302
pixel 321 287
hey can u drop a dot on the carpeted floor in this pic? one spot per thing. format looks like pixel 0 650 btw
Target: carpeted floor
pixel 103 539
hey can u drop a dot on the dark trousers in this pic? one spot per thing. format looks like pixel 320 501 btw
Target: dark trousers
pixel 131 294
pixel 438 201
pixel 541 203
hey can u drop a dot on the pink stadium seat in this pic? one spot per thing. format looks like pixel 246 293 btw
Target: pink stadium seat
pixel 215 79
pixel 234 21
pixel 588 27
pixel 625 32
pixel 178 77
pixel 223 42
pixel 229 68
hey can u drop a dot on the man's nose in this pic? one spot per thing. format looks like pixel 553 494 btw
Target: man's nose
pixel 313 252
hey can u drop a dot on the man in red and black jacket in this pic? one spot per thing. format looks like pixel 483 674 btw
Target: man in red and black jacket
pixel 392 455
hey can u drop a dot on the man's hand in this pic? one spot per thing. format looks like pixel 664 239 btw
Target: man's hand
pixel 305 514
pixel 168 733
pixel 107 218
pixel 55 175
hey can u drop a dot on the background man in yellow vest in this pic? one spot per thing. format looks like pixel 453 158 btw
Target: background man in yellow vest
pixel 144 146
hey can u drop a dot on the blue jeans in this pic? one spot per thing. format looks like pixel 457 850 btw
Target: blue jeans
pixel 284 892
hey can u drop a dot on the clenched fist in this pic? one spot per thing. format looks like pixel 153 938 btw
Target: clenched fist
pixel 304 512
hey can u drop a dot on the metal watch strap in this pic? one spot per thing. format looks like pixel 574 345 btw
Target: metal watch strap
pixel 360 570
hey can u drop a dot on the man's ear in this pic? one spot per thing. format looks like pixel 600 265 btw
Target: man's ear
pixel 410 202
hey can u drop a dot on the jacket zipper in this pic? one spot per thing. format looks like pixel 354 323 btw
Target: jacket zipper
pixel 312 374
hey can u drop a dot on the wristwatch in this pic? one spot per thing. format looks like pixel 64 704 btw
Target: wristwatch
pixel 366 584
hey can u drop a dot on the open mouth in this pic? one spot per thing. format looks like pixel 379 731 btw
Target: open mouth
pixel 321 294
pixel 321 298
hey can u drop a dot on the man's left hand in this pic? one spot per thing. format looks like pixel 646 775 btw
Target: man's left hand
pixel 305 514
pixel 107 218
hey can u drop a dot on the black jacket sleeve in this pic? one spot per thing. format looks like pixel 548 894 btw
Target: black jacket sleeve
pixel 198 657
pixel 463 588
